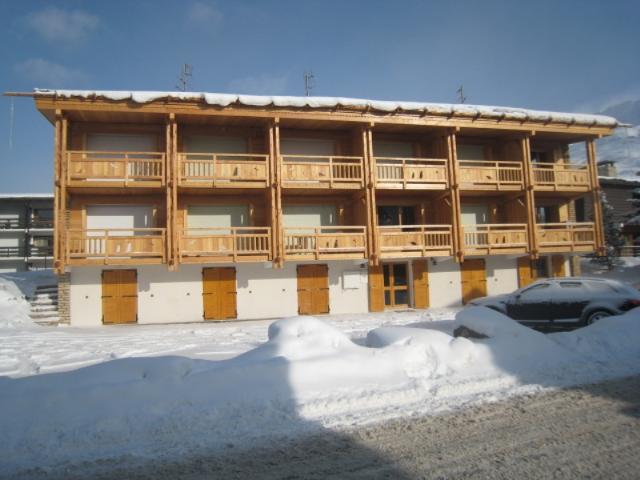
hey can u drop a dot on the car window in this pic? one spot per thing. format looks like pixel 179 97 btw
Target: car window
pixel 602 287
pixel 535 288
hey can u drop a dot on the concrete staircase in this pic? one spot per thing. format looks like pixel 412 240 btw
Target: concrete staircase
pixel 44 305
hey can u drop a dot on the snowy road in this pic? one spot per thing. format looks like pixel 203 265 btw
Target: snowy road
pixel 583 432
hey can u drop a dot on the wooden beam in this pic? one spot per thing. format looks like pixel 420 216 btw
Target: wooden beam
pixel 374 257
pixel 525 146
pixel 595 195
pixel 456 214
pixel 168 177
pixel 58 229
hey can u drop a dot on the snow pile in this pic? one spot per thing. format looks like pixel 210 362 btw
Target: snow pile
pixel 15 287
pixel 445 109
pixel 307 375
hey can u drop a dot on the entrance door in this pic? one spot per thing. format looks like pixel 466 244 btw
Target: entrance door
pixel 119 296
pixel 396 286
pixel 219 293
pixel 474 279
pixel 526 272
pixel 313 289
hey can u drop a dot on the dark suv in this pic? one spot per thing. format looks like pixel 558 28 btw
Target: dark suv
pixel 564 302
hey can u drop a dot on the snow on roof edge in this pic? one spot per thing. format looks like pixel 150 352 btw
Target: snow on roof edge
pixel 25 195
pixel 226 99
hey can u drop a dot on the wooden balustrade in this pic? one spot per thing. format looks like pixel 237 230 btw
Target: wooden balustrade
pixel 561 176
pixel 115 246
pixel 415 240
pixel 484 175
pixel 325 242
pixel 225 244
pixel 489 239
pixel 230 170
pixel 566 237
pixel 411 173
pixel 305 171
pixel 93 168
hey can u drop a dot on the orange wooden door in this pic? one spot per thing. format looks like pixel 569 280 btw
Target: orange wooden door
pixel 119 296
pixel 474 279
pixel 526 272
pixel 420 284
pixel 313 289
pixel 557 266
pixel 219 293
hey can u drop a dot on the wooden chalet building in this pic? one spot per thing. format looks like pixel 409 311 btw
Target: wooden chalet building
pixel 179 207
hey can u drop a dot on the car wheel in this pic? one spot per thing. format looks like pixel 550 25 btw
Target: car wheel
pixel 597 315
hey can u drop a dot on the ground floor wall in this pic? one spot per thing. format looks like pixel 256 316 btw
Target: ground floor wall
pixel 265 292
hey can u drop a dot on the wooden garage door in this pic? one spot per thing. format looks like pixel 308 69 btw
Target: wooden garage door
pixel 376 289
pixel 526 272
pixel 119 296
pixel 557 266
pixel 313 289
pixel 474 279
pixel 219 293
pixel 420 284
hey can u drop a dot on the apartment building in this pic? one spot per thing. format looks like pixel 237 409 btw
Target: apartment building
pixel 26 232
pixel 181 207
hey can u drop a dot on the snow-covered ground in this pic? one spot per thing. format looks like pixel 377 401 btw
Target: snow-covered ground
pixel 137 393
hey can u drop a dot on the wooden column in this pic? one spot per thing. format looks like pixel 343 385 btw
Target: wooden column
pixel 63 190
pixel 57 183
pixel 172 259
pixel 370 183
pixel 595 194
pixel 454 190
pixel 530 204
pixel 275 182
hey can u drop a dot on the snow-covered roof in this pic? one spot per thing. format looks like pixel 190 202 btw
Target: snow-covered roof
pixel 26 195
pixel 228 99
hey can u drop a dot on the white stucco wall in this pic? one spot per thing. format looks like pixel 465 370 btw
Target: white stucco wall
pixel 444 284
pixel 175 297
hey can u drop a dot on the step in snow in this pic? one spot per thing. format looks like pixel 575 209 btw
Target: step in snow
pixel 48 322
pixel 44 308
pixel 39 315
pixel 44 301
pixel 46 290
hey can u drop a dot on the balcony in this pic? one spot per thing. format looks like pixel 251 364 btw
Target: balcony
pixel 415 241
pixel 12 224
pixel 566 237
pixel 41 223
pixel 226 244
pixel 325 243
pixel 42 251
pixel 228 170
pixel 115 169
pixel 12 252
pixel 118 246
pixel 483 175
pixel 560 177
pixel 492 239
pixel 411 173
pixel 303 171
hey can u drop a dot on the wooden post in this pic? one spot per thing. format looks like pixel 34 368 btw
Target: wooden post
pixel 525 145
pixel 595 194
pixel 57 224
pixel 275 182
pixel 168 176
pixel 454 188
pixel 372 216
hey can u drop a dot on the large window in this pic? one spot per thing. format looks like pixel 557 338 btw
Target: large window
pixel 475 214
pixel 394 215
pixel 310 216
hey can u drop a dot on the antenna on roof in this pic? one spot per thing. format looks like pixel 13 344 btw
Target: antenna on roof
pixel 309 82
pixel 11 115
pixel 185 77
pixel 461 97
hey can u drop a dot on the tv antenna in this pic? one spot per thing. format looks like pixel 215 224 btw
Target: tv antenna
pixel 461 96
pixel 11 117
pixel 185 77
pixel 309 82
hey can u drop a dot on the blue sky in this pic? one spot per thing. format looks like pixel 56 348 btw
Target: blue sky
pixel 554 55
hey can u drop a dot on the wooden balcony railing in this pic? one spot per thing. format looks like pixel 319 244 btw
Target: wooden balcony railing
pixel 415 240
pixel 560 177
pixel 566 237
pixel 116 245
pixel 227 243
pixel 85 168
pixel 411 173
pixel 40 251
pixel 495 238
pixel 325 242
pixel 304 171
pixel 481 175
pixel 231 170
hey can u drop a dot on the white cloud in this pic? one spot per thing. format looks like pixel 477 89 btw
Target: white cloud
pixel 46 74
pixel 204 14
pixel 55 24
pixel 263 84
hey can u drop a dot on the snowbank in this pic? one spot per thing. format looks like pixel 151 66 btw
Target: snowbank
pixel 445 109
pixel 307 375
pixel 14 290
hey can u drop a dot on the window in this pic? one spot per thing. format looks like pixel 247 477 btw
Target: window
pixel 538 156
pixel 537 288
pixel 307 146
pixel 475 214
pixel 580 210
pixel 541 266
pixel 393 149
pixel 310 216
pixel 106 142
pixel 471 152
pixel 394 215
pixel 206 216
pixel 210 144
